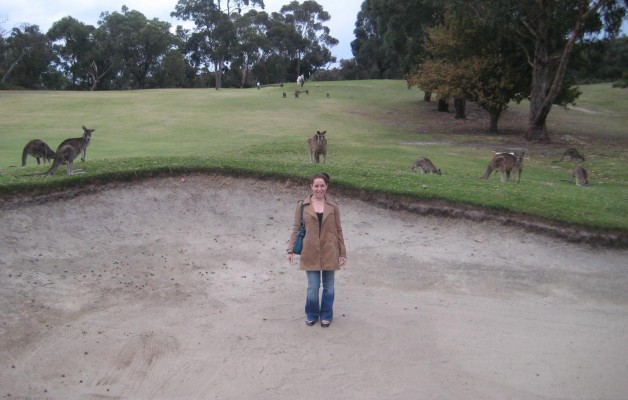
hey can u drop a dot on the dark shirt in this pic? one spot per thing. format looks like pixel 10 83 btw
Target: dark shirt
pixel 320 220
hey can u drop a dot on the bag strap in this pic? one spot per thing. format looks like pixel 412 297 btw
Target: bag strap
pixel 302 206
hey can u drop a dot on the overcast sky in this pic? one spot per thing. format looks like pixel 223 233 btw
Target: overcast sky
pixel 45 12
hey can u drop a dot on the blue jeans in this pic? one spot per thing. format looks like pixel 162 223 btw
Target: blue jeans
pixel 324 311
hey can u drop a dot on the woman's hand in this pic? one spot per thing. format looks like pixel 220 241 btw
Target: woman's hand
pixel 342 261
pixel 290 257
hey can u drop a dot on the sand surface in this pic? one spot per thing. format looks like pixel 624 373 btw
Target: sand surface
pixel 178 288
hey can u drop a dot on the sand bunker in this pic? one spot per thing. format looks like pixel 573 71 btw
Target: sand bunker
pixel 178 288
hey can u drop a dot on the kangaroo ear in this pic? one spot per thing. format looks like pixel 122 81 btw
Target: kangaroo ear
pixel 324 132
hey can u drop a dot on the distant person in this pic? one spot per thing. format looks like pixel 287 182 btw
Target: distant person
pixel 323 249
pixel 258 85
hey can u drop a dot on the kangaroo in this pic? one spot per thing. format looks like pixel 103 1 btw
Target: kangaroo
pixel 317 146
pixel 505 162
pixel 82 142
pixel 38 149
pixel 296 94
pixel 582 178
pixel 573 155
pixel 284 95
pixel 67 153
pixel 426 166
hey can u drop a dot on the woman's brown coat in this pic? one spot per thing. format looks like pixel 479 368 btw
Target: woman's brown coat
pixel 321 250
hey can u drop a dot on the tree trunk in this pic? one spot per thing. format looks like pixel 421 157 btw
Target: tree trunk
pixel 461 108
pixel 218 69
pixel 494 118
pixel 544 91
pixel 443 105
pixel 245 76
pixel 93 72
pixel 537 131
pixel 13 65
pixel 427 96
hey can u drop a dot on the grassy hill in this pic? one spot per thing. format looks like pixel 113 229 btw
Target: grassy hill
pixel 375 130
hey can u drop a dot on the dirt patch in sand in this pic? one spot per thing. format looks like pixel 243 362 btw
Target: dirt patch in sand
pixel 178 288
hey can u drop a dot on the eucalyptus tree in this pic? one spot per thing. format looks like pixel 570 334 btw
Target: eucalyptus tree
pixel 214 37
pixel 368 47
pixel 251 44
pixel 25 57
pixel 312 40
pixel 137 45
pixel 548 32
pixel 283 42
pixel 390 34
pixel 172 72
pixel 73 44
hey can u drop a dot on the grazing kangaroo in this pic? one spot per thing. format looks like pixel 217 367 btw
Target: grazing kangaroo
pixel 573 155
pixel 426 166
pixel 79 142
pixel 67 153
pixel 582 178
pixel 38 149
pixel 317 146
pixel 505 163
pixel 284 95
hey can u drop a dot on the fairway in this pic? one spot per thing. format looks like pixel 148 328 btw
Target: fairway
pixel 375 130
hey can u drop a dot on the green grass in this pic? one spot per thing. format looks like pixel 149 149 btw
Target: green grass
pixel 376 129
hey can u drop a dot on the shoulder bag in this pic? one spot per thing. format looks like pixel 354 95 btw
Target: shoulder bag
pixel 298 244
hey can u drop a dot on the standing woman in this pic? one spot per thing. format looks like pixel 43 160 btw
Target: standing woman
pixel 323 249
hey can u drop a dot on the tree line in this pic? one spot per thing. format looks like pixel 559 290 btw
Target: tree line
pixel 233 43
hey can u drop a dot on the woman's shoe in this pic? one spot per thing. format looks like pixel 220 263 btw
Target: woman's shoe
pixel 325 324
pixel 309 323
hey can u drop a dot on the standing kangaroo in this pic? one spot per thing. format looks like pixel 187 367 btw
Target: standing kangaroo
pixel 38 149
pixel 82 142
pixel 582 178
pixel 573 155
pixel 505 163
pixel 426 166
pixel 68 151
pixel 317 146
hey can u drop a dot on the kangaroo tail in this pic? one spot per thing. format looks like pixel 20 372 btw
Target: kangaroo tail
pixel 487 173
pixel 53 168
pixel 50 171
pixel 24 155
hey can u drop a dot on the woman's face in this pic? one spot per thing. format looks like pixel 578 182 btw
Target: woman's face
pixel 319 187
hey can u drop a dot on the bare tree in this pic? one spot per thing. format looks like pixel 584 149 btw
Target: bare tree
pixel 93 73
